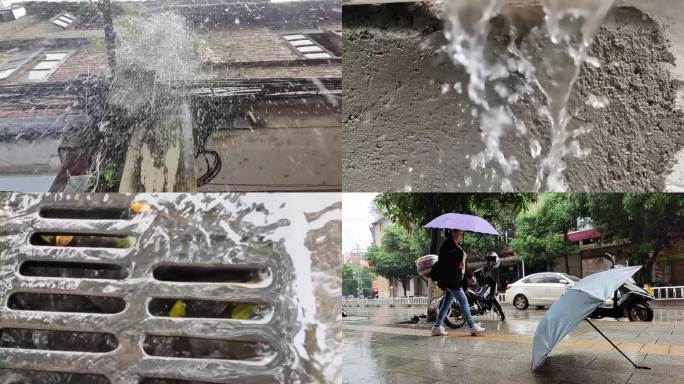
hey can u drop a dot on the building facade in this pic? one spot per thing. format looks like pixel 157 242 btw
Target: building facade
pixel 592 245
pixel 204 95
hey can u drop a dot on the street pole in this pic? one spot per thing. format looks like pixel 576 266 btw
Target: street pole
pixel 523 267
pixel 110 34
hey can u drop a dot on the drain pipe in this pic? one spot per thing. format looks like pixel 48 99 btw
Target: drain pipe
pixel 110 35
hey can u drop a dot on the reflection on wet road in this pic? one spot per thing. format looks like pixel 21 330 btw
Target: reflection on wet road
pixel 378 349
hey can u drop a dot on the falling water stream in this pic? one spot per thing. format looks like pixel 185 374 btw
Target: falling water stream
pixel 155 58
pixel 549 60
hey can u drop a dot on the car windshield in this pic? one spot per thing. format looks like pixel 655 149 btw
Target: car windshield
pixel 570 277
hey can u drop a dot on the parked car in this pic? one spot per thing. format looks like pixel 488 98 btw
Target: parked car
pixel 539 289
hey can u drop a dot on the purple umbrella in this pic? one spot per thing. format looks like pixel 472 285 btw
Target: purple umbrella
pixel 463 222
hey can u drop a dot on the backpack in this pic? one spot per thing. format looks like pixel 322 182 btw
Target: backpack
pixel 436 272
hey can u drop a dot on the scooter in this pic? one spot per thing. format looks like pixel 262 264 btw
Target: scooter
pixel 629 301
pixel 481 300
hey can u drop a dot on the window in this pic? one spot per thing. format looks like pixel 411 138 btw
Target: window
pixel 314 45
pixel 570 277
pixel 14 63
pixel 551 279
pixel 46 66
pixel 64 19
pixel 535 279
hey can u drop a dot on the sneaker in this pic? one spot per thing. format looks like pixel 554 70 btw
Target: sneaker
pixel 476 329
pixel 439 331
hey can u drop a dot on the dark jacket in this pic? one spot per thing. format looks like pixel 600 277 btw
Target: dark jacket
pixel 449 274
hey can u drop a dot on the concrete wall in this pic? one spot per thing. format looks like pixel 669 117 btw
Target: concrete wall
pixel 290 147
pixel 401 133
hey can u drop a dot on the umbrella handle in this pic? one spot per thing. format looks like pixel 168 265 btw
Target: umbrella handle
pixel 615 346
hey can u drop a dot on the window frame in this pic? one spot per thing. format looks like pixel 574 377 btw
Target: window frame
pixel 48 72
pixel 66 15
pixel 307 35
pixel 24 57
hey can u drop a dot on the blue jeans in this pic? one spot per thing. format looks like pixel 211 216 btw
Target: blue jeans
pixel 449 296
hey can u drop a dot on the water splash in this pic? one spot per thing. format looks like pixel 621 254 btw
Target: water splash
pixel 467 31
pixel 548 60
pixel 571 25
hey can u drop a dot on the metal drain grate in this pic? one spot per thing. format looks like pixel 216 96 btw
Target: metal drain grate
pixel 89 285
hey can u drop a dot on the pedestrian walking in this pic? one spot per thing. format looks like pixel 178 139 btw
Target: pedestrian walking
pixel 449 274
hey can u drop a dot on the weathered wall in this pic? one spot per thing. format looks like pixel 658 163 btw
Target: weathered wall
pixel 289 148
pixel 401 133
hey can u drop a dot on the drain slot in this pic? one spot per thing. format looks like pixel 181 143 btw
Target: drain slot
pixel 57 340
pixel 54 239
pixel 194 274
pixel 151 380
pixel 73 270
pixel 65 303
pixel 21 376
pixel 205 309
pixel 85 213
pixel 198 348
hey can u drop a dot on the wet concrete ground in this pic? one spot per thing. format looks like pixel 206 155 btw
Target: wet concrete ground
pixel 378 350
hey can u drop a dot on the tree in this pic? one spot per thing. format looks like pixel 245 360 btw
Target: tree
pixel 650 221
pixel 541 232
pixel 396 258
pixel 356 280
pixel 414 210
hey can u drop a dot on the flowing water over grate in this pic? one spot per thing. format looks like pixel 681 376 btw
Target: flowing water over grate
pixel 161 288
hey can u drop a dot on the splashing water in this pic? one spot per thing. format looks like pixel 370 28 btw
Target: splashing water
pixel 572 25
pixel 157 57
pixel 549 61
pixel 468 27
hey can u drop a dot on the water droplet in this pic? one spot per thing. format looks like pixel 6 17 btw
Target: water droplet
pixel 535 148
pixel 597 102
pixel 444 88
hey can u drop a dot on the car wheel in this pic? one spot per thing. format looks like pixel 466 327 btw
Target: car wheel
pixel 520 302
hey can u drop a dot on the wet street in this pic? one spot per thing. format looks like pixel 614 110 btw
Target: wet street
pixel 379 349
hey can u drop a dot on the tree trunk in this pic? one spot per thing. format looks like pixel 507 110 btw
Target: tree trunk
pixel 434 233
pixel 110 35
pixel 404 283
pixel 651 262
pixel 567 264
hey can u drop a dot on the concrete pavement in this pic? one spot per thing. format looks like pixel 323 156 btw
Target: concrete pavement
pixel 378 350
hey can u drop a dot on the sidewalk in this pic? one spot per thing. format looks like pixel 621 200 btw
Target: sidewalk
pixel 376 351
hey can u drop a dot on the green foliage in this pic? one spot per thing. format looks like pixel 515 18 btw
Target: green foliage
pixel 398 253
pixel 540 232
pixel 356 280
pixel 108 181
pixel 650 221
pixel 413 210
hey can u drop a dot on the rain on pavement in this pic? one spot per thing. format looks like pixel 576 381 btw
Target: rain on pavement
pixel 380 347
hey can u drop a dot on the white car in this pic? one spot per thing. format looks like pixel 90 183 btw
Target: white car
pixel 539 289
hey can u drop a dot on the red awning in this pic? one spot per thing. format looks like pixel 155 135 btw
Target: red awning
pixel 583 235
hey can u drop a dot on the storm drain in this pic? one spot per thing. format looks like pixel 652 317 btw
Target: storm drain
pixel 115 290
